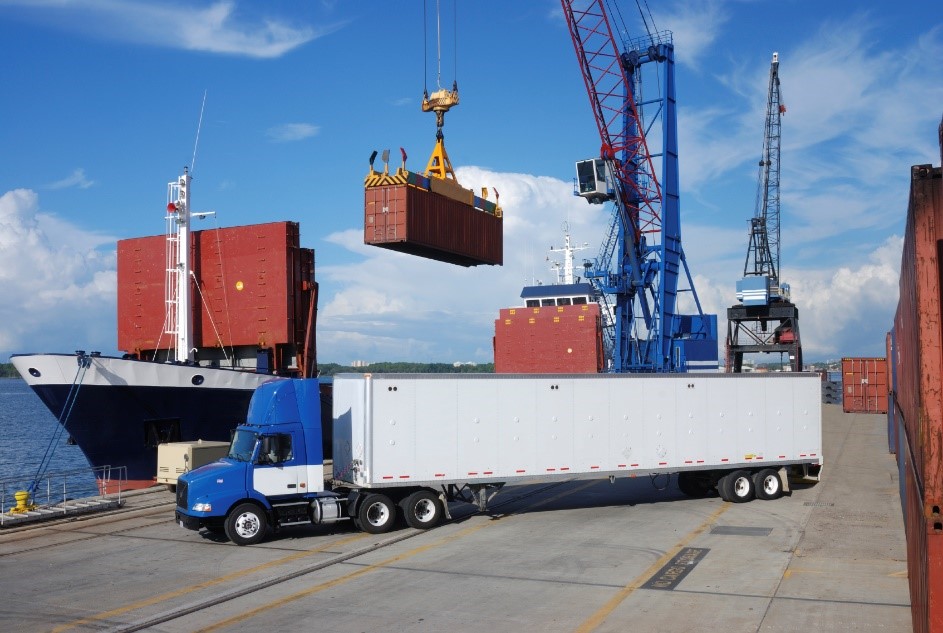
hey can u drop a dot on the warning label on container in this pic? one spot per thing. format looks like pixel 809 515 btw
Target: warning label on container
pixel 669 576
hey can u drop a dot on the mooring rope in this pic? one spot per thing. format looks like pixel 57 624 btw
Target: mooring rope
pixel 84 361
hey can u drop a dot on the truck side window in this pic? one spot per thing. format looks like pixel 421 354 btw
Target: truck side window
pixel 275 449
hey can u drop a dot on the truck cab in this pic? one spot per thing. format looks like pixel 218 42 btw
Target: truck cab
pixel 273 471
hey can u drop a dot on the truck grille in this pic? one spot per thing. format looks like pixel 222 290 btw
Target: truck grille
pixel 181 494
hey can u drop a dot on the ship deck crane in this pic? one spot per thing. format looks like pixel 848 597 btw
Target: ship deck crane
pixel 765 321
pixel 641 260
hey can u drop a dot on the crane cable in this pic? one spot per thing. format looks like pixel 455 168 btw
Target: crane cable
pixel 425 45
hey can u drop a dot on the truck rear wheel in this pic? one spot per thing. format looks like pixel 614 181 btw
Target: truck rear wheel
pixel 246 524
pixel 768 485
pixel 422 509
pixel 736 487
pixel 376 514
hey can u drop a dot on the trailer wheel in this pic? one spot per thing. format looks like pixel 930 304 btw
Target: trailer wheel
pixel 246 524
pixel 768 485
pixel 422 509
pixel 376 514
pixel 736 487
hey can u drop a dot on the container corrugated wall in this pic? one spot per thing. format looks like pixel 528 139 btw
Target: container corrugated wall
pixel 254 291
pixel 549 340
pixel 864 385
pixel 917 395
pixel 412 220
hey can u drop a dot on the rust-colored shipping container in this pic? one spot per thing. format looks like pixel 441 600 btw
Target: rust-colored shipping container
pixel 253 290
pixel 917 390
pixel 549 340
pixel 411 219
pixel 864 385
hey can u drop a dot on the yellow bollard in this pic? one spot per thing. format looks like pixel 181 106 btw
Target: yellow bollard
pixel 22 502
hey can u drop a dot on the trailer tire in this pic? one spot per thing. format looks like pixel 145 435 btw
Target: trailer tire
pixel 768 485
pixel 246 524
pixel 422 509
pixel 376 514
pixel 736 487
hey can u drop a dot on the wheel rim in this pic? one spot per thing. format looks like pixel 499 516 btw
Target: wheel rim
pixel 247 525
pixel 771 484
pixel 378 514
pixel 741 487
pixel 425 510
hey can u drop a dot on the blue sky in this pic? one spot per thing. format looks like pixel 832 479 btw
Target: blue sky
pixel 102 98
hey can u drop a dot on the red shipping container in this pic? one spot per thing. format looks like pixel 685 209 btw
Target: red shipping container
pixel 412 220
pixel 918 394
pixel 549 340
pixel 864 385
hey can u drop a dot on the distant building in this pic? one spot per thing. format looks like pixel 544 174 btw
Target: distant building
pixel 460 363
pixel 359 363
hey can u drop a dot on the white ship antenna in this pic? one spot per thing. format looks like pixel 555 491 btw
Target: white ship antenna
pixel 199 126
pixel 568 250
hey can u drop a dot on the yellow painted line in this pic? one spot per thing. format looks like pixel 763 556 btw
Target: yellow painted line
pixel 600 616
pixel 203 585
pixel 341 580
pixel 795 570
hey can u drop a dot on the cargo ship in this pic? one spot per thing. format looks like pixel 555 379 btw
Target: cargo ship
pixel 204 317
pixel 559 327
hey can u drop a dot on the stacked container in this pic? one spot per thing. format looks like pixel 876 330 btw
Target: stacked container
pixel 549 340
pixel 917 395
pixel 864 385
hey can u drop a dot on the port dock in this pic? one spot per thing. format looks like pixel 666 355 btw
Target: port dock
pixel 573 556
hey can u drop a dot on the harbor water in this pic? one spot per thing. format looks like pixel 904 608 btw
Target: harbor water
pixel 30 435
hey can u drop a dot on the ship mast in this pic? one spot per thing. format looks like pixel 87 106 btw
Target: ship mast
pixel 179 318
pixel 568 250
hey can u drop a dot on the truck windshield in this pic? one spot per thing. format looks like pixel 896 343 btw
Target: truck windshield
pixel 243 443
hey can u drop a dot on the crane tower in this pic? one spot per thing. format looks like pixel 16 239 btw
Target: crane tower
pixel 641 260
pixel 765 320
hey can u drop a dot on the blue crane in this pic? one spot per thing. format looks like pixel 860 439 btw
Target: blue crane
pixel 641 260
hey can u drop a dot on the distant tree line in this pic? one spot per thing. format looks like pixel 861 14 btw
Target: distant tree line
pixel 8 371
pixel 329 369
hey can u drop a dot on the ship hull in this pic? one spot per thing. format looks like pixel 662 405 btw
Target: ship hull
pixel 123 408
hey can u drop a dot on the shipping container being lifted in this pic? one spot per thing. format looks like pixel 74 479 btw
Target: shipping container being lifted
pixel 430 214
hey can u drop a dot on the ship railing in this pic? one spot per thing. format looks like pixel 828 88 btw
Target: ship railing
pixel 61 492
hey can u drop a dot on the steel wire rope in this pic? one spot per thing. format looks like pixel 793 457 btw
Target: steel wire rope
pixel 212 322
pixel 83 362
pixel 222 278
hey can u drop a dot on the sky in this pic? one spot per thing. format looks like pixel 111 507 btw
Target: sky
pixel 277 106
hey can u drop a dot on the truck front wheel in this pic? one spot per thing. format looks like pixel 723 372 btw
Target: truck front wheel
pixel 422 509
pixel 246 524
pixel 376 514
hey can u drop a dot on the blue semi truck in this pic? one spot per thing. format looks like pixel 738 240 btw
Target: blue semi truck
pixel 408 444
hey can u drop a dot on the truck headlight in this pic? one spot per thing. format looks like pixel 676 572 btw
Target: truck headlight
pixel 202 507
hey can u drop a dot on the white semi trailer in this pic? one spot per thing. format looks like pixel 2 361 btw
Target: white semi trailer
pixel 410 443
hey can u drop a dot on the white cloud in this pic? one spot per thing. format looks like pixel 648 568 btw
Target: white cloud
pixel 696 25
pixel 76 179
pixel 292 132
pixel 848 308
pixel 217 28
pixel 58 289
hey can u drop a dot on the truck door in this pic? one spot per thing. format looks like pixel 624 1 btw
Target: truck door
pixel 276 468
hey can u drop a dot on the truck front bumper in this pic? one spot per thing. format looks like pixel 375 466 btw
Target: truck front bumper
pixel 187 521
